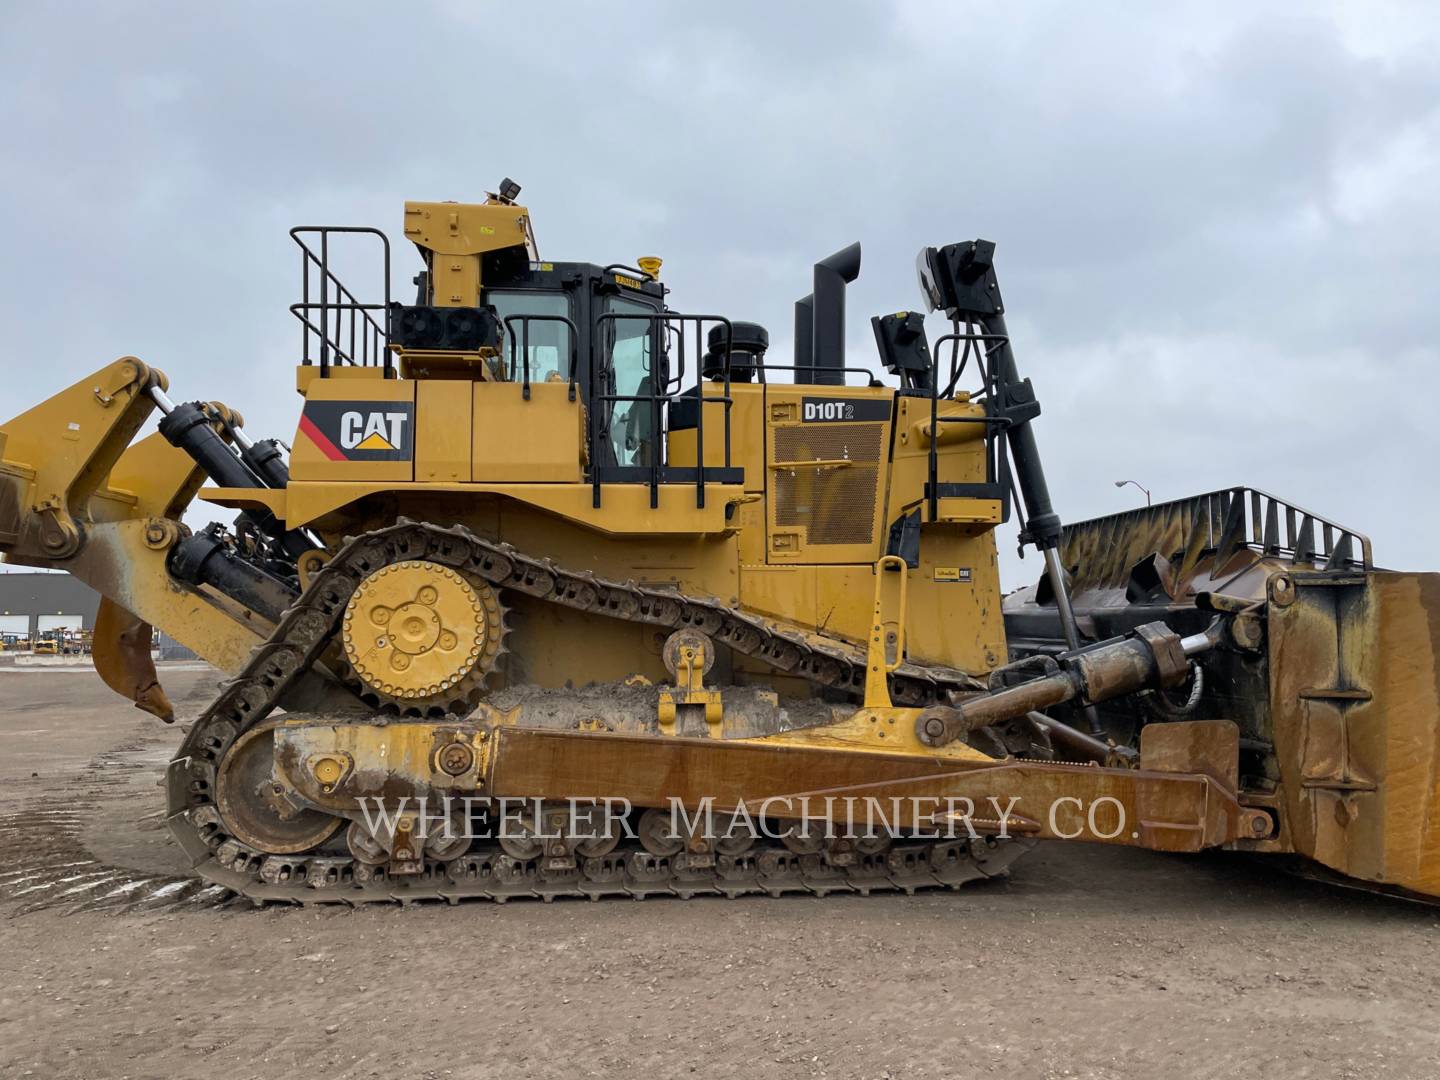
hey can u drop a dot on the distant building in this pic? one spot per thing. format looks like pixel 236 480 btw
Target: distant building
pixel 33 603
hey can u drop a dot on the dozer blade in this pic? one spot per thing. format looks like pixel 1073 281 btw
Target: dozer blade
pixel 1330 667
pixel 121 652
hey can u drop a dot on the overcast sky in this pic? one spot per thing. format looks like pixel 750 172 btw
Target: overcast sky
pixel 1217 225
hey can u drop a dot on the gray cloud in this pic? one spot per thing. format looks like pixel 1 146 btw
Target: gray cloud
pixel 1217 228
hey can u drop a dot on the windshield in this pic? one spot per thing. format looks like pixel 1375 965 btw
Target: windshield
pixel 548 341
pixel 631 422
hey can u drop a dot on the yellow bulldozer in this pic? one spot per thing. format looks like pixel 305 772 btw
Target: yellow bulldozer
pixel 560 590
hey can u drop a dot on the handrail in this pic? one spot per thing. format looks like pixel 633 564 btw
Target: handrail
pixel 877 665
pixel 765 366
pixel 638 273
pixel 995 425
pixel 374 337
pixel 525 321
pixel 601 417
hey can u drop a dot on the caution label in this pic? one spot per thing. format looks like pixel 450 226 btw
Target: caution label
pixel 361 430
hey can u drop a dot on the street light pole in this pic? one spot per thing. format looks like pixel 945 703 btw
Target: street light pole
pixel 1122 483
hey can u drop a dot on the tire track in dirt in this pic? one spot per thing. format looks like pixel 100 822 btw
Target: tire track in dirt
pixel 46 863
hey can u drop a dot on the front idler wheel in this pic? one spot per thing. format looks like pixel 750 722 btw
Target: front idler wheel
pixel 259 809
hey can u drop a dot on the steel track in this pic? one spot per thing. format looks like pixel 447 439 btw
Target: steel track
pixel 305 630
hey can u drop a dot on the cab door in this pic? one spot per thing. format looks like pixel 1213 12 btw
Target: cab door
pixel 630 378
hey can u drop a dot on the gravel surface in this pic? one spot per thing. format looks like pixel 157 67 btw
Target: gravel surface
pixel 1088 963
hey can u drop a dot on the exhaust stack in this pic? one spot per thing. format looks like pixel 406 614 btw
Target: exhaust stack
pixel 805 339
pixel 832 274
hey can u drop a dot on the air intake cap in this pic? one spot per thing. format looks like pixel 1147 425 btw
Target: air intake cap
pixel 748 342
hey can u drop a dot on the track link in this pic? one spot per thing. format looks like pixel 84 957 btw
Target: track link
pixel 307 628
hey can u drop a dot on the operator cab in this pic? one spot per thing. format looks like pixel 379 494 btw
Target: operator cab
pixel 561 313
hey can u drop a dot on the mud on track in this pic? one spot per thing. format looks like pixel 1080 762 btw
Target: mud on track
pixel 1088 962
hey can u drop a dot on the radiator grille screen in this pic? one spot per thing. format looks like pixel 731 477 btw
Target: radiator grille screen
pixel 835 504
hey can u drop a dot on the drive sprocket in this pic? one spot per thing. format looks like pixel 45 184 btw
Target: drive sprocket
pixel 422 637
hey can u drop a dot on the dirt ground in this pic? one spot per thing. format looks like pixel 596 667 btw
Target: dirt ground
pixel 1089 962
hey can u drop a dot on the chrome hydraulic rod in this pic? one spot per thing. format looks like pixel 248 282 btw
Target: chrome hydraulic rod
pixel 1152 657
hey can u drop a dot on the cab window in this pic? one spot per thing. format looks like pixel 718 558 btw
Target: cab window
pixel 548 341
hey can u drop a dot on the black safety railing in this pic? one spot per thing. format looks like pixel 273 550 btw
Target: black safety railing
pixel 762 368
pixel 632 271
pixel 336 328
pixel 995 486
pixel 659 398
pixel 521 341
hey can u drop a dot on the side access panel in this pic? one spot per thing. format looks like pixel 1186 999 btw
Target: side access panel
pixel 827 451
pixel 517 440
